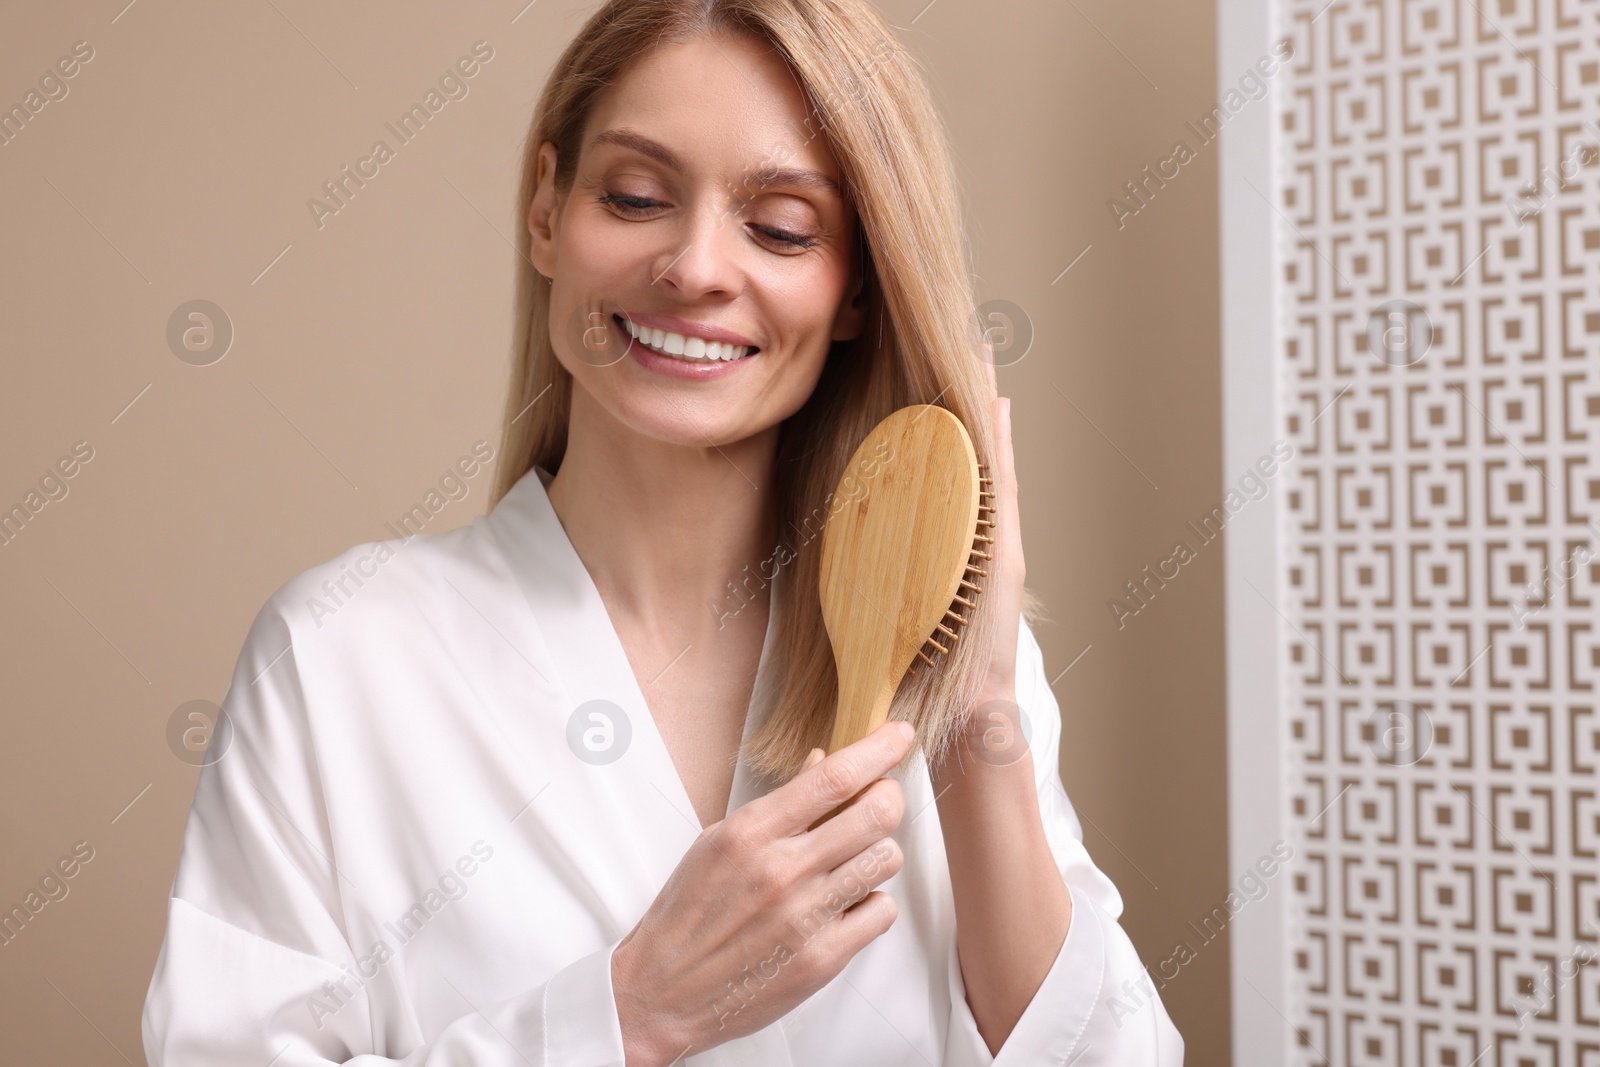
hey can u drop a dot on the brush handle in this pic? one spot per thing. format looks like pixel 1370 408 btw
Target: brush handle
pixel 865 693
pixel 848 729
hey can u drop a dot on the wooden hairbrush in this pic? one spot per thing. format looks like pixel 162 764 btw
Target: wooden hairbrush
pixel 901 560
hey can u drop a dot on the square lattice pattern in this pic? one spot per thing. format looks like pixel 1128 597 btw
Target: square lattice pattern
pixel 1437 183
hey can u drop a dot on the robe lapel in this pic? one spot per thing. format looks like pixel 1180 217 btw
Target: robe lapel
pixel 592 665
pixel 640 791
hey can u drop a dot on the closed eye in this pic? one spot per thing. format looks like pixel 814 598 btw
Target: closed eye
pixel 637 205
pixel 630 203
pixel 798 240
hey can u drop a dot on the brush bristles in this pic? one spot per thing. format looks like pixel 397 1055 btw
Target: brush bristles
pixel 986 520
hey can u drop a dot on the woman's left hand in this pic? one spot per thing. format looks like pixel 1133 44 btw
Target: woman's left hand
pixel 1006 570
pixel 993 731
pixel 1013 906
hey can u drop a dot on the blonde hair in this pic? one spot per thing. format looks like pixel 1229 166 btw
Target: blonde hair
pixel 919 345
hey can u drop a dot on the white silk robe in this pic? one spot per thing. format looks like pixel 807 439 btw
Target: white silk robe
pixel 399 858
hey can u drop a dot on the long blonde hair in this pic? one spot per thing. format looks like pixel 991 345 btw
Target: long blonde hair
pixel 920 343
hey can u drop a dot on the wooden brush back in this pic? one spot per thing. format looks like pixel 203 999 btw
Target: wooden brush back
pixel 894 554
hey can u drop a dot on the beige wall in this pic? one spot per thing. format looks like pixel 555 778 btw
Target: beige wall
pixel 372 353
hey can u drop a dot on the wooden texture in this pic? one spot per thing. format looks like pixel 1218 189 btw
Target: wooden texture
pixel 895 555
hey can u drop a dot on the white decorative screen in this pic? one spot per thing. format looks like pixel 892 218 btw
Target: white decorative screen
pixel 1437 194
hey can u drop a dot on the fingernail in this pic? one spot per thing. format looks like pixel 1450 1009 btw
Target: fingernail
pixel 907 731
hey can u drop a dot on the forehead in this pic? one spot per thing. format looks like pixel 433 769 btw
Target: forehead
pixel 719 102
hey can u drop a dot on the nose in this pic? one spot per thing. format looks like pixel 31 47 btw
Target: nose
pixel 702 260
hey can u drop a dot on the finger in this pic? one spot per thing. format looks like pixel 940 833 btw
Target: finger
pixel 853 930
pixel 847 889
pixel 864 824
pixel 1000 408
pixel 1007 573
pixel 813 758
pixel 1006 461
pixel 853 881
pixel 840 888
pixel 866 870
pixel 874 915
pixel 815 792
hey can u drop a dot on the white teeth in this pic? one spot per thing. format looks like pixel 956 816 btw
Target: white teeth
pixel 688 349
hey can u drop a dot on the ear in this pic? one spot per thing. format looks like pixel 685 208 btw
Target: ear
pixel 543 214
pixel 852 316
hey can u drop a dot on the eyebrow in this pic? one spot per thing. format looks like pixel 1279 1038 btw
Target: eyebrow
pixel 761 178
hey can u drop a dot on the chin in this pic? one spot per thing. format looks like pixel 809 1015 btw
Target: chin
pixel 691 420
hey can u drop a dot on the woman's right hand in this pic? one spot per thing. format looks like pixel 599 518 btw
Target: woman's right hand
pixel 762 912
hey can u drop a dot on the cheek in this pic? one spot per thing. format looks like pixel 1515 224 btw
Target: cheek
pixel 588 278
pixel 803 306
pixel 576 325
pixel 788 382
pixel 595 257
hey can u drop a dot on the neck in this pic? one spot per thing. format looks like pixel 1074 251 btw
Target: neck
pixel 663 528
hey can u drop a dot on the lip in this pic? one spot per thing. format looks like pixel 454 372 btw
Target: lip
pixel 666 366
pixel 673 324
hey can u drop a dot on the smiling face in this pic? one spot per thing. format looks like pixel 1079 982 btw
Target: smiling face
pixel 705 219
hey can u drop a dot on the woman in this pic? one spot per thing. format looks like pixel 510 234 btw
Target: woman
pixel 490 810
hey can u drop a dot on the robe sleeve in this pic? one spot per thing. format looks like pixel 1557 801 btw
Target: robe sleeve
pixel 1071 1020
pixel 255 937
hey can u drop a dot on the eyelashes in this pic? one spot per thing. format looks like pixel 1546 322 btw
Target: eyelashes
pixel 636 206
pixel 627 203
pixel 798 240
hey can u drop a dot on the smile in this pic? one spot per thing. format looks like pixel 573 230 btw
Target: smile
pixel 679 346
